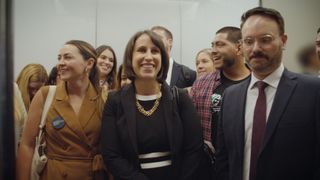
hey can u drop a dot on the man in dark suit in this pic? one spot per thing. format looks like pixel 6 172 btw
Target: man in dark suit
pixel 269 124
pixel 178 75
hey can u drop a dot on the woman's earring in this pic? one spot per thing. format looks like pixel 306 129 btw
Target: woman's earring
pixel 86 71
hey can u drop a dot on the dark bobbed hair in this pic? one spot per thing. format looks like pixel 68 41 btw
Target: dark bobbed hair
pixel 233 33
pixel 127 58
pixel 87 52
pixel 52 80
pixel 111 79
pixel 267 12
pixel 119 74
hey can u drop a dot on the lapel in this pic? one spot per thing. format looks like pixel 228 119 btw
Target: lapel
pixel 176 69
pixel 167 105
pixel 64 108
pixel 240 101
pixel 129 108
pixel 284 91
pixel 88 107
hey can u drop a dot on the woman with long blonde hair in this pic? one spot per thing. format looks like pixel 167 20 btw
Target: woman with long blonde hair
pixel 20 113
pixel 30 80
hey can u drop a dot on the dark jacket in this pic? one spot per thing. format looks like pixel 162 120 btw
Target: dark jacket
pixel 290 149
pixel 119 139
pixel 182 76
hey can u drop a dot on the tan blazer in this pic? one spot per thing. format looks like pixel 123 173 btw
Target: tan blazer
pixel 72 150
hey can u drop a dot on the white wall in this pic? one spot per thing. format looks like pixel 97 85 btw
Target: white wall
pixel 41 27
pixel 302 20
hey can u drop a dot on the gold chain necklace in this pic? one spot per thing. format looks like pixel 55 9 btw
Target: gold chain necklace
pixel 151 111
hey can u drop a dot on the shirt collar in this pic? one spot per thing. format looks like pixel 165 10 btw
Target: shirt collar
pixel 272 79
pixel 171 61
pixel 169 74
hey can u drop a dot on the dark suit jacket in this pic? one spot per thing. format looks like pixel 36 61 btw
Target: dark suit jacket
pixel 290 150
pixel 182 76
pixel 119 139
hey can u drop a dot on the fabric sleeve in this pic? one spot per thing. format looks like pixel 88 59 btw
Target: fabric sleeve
pixel 221 150
pixel 192 137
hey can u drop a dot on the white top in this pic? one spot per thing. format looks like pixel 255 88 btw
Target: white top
pixel 148 97
pixel 252 95
pixel 168 80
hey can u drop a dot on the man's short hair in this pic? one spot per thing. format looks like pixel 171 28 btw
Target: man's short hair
pixel 318 30
pixel 167 33
pixel 233 33
pixel 267 12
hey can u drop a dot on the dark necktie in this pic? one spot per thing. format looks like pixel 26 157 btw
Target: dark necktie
pixel 258 128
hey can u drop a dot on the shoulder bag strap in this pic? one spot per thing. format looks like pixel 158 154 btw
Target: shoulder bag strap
pixel 47 104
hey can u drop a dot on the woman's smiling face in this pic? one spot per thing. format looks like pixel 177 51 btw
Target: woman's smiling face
pixel 146 58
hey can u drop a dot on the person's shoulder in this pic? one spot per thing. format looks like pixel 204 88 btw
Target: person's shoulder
pixel 207 78
pixel 215 74
pixel 44 90
pixel 184 67
pixel 308 80
pixel 235 87
pixel 116 94
pixel 187 70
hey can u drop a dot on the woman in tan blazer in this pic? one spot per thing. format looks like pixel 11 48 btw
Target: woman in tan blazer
pixel 73 123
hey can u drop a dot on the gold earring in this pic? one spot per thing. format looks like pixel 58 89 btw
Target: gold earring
pixel 86 71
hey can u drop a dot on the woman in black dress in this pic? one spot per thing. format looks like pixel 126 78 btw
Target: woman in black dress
pixel 148 133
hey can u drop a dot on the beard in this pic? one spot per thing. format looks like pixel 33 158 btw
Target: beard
pixel 267 66
pixel 228 62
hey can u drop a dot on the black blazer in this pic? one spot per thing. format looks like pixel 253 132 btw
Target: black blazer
pixel 119 139
pixel 182 76
pixel 290 150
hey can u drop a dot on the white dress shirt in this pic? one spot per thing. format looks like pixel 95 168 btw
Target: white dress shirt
pixel 168 80
pixel 252 95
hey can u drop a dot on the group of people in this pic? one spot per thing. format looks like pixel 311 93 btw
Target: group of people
pixel 241 116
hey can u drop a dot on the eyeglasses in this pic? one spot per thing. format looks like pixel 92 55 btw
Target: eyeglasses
pixel 264 40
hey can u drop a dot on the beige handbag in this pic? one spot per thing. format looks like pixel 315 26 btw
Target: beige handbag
pixel 39 159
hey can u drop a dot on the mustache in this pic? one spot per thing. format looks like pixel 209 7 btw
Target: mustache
pixel 258 54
